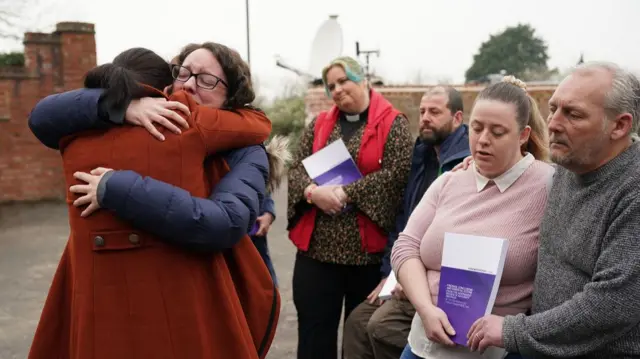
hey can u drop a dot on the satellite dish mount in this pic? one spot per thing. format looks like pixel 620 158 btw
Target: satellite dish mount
pixel 366 53
pixel 326 46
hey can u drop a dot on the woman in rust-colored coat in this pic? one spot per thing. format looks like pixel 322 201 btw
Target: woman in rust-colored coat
pixel 128 285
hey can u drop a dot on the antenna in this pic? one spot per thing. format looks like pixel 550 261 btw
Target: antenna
pixel 366 53
pixel 281 63
pixel 308 77
pixel 327 45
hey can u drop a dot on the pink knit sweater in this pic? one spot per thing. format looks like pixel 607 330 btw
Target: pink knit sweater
pixel 453 204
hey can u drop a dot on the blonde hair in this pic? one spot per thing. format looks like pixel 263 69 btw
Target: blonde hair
pixel 349 65
pixel 514 91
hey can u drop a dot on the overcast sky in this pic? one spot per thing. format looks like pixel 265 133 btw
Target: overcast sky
pixel 434 38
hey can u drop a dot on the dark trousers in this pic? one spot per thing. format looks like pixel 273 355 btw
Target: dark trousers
pixel 378 332
pixel 319 290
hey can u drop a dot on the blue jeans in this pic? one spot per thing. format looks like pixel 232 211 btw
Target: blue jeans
pixel 408 354
pixel 263 249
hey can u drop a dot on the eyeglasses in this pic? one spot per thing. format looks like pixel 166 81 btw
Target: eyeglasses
pixel 203 80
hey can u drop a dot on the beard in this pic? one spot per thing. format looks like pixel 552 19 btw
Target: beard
pixel 575 159
pixel 579 158
pixel 437 135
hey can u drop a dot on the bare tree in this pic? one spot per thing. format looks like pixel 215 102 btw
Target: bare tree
pixel 20 16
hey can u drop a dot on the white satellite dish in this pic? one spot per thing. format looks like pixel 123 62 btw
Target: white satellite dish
pixel 326 46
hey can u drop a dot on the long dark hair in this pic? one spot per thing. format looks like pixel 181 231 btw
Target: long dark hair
pixel 124 77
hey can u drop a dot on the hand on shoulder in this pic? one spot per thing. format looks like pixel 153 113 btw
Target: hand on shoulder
pixel 464 165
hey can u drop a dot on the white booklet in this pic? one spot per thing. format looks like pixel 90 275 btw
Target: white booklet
pixel 332 165
pixel 469 279
pixel 389 285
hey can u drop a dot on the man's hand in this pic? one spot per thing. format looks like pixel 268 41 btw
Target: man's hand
pixel 149 110
pixel 464 165
pixel 265 222
pixel 89 190
pixel 372 298
pixel 398 292
pixel 486 332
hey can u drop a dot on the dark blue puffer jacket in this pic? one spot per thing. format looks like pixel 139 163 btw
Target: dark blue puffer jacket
pixel 169 212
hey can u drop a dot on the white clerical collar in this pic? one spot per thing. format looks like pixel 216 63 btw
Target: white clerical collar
pixel 352 118
pixel 505 180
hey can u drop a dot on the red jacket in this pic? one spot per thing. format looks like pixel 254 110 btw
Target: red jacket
pixel 122 293
pixel 370 156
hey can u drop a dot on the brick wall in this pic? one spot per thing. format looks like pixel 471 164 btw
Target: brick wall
pixel 54 62
pixel 407 99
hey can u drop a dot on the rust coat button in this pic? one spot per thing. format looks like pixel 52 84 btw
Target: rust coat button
pixel 98 241
pixel 134 238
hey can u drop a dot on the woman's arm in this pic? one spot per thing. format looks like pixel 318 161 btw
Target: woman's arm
pixel 172 214
pixel 60 115
pixel 389 182
pixel 405 255
pixel 410 270
pixel 223 130
pixel 269 206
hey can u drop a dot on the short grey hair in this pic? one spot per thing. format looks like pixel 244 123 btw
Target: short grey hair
pixel 624 96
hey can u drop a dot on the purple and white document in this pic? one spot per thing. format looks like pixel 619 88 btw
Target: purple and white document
pixel 332 165
pixel 469 279
pixel 254 229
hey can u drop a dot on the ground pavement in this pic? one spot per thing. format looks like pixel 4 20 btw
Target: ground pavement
pixel 32 237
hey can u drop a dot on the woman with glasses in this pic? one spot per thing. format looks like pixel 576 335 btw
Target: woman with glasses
pixel 164 211
pixel 219 78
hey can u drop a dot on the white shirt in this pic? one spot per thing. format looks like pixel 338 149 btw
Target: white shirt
pixel 505 180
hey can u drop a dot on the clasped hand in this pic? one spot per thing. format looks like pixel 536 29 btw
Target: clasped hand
pixel 330 199
pixel 148 111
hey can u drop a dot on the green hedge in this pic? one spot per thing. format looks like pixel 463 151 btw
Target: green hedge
pixel 12 59
pixel 287 115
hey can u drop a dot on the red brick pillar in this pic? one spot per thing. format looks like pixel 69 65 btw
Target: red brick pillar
pixel 53 62
pixel 78 47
